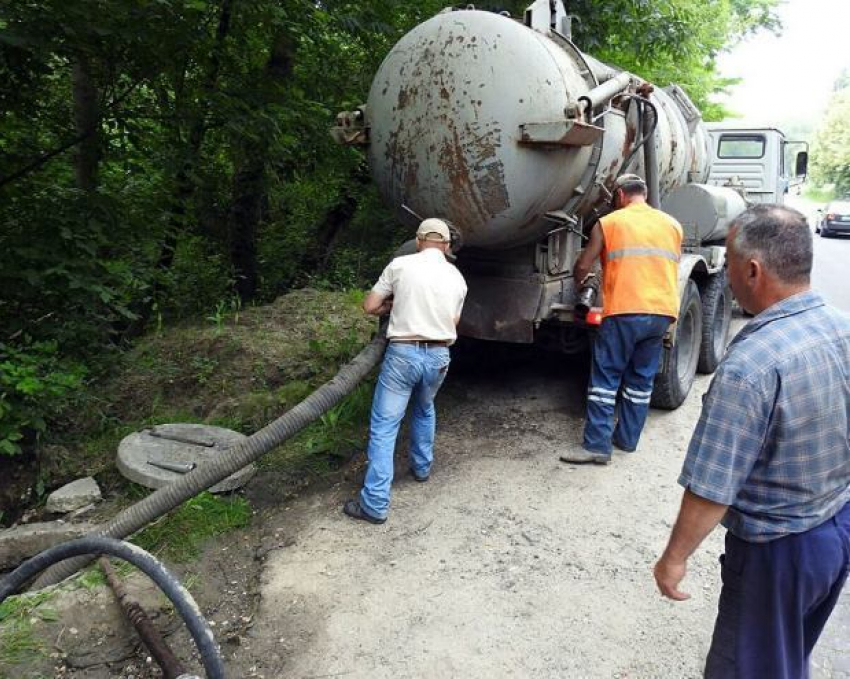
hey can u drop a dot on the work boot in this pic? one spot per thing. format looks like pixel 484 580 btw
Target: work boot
pixel 353 509
pixel 585 457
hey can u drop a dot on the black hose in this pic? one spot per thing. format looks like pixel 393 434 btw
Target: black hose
pixel 209 473
pixel 650 160
pixel 643 135
pixel 145 562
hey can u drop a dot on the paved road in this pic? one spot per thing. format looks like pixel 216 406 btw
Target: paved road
pixel 829 277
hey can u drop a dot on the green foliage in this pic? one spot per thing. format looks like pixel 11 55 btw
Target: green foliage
pixel 831 148
pixel 34 381
pixel 341 430
pixel 819 194
pixel 179 535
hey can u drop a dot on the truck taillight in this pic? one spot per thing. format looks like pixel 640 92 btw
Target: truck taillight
pixel 594 316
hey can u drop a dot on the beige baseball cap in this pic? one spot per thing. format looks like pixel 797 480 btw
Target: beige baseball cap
pixel 433 225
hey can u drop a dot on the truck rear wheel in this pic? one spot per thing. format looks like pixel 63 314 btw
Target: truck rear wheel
pixel 674 380
pixel 716 319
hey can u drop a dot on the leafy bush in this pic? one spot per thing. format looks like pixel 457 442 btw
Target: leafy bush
pixel 34 380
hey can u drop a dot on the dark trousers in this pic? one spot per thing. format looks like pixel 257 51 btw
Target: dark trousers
pixel 626 354
pixel 776 599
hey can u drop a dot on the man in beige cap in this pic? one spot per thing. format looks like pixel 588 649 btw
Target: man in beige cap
pixel 424 294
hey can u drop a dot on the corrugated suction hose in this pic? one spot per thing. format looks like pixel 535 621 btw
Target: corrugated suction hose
pixel 209 473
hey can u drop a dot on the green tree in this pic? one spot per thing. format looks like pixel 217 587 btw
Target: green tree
pixel 831 147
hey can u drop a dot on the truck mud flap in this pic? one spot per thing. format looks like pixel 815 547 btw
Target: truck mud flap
pixel 500 309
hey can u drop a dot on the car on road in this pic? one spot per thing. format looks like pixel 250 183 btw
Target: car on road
pixel 834 219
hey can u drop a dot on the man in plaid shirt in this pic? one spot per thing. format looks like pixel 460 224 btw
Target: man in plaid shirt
pixel 770 458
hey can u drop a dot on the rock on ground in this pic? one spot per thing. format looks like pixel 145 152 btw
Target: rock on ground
pixel 73 496
pixel 20 543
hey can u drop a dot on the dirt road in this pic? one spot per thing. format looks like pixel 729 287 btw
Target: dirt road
pixel 507 563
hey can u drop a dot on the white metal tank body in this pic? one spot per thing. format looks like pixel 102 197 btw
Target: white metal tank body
pixel 706 212
pixel 446 113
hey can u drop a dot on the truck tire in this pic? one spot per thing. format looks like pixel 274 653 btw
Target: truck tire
pixel 716 319
pixel 674 380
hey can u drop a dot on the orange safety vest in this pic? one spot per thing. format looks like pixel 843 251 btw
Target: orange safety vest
pixel 640 261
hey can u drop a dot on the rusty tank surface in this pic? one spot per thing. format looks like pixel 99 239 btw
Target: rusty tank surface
pixel 482 119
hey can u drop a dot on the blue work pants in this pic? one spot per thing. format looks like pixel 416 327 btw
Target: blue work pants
pixel 776 599
pixel 626 354
pixel 409 372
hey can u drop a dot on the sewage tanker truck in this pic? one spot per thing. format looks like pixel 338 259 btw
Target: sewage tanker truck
pixel 505 129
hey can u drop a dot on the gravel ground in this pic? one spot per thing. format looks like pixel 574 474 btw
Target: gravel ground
pixel 507 563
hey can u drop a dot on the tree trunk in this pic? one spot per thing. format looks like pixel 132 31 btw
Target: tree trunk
pixel 184 184
pixel 315 260
pixel 87 121
pixel 248 191
pixel 249 181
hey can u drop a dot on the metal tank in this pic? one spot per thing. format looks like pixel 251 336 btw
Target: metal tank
pixel 706 212
pixel 497 126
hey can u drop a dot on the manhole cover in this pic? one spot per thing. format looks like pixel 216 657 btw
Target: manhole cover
pixel 157 456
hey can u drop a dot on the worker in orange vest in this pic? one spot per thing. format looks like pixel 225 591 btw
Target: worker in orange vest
pixel 639 248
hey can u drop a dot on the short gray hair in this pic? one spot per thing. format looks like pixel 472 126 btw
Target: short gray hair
pixel 779 237
pixel 631 184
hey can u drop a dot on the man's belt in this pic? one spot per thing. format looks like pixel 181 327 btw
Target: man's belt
pixel 421 343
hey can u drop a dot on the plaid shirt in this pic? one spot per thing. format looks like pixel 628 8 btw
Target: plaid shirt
pixel 772 439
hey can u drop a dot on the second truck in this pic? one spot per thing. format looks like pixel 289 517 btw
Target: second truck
pixel 504 128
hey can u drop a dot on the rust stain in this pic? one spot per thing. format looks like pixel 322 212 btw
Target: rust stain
pixel 628 142
pixel 476 177
pixel 411 175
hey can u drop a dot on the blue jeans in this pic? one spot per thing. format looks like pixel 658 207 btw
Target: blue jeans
pixel 408 370
pixel 776 599
pixel 625 359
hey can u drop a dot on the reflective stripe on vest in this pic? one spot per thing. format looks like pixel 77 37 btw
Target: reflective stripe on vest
pixel 640 262
pixel 637 252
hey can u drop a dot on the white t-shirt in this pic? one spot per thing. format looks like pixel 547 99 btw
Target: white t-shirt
pixel 428 293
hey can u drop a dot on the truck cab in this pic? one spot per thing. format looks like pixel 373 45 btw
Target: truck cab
pixel 759 160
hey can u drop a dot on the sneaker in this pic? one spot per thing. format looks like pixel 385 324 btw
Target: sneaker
pixel 353 509
pixel 420 478
pixel 585 457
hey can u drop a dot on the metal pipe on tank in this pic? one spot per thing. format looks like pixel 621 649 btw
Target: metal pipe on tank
pixel 606 91
pixel 650 154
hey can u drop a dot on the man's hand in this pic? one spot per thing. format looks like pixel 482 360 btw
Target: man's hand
pixel 377 305
pixel 697 518
pixel 589 254
pixel 385 307
pixel 668 575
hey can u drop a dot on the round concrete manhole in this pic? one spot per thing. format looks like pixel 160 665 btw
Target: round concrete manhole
pixel 157 456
